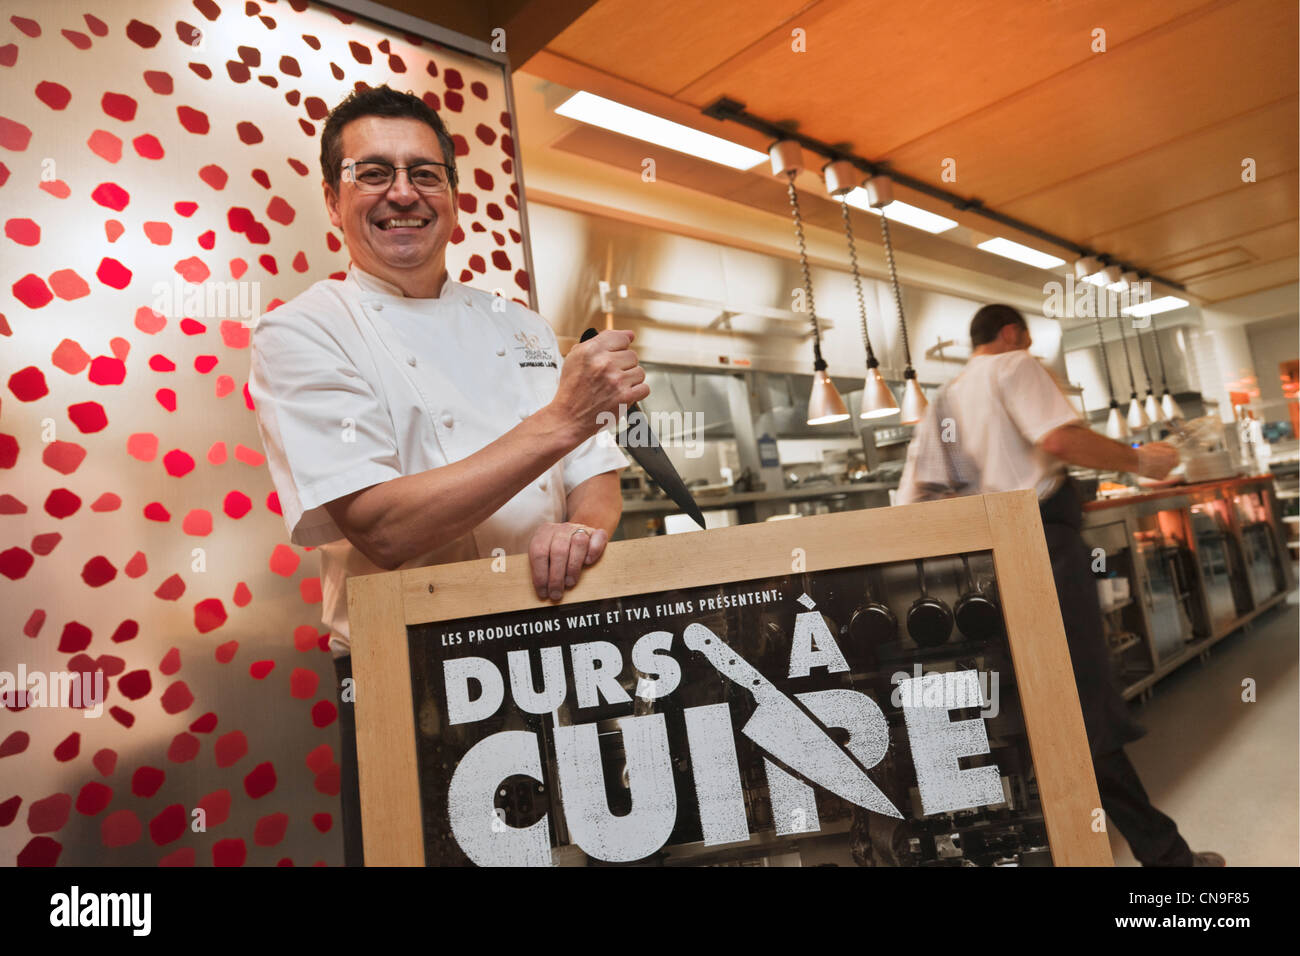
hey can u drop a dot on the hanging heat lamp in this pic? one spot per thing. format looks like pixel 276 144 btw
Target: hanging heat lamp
pixel 880 193
pixel 1116 426
pixel 877 399
pixel 1137 417
pixel 825 406
pixel 1167 403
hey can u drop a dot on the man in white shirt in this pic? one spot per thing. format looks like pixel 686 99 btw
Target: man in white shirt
pixel 1014 429
pixel 410 420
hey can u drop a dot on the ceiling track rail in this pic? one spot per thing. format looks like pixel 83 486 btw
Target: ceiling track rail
pixel 725 108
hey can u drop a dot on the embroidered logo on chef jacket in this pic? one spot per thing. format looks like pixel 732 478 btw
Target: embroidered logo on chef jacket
pixel 530 353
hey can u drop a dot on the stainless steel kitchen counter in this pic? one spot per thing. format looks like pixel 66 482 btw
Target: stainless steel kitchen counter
pixel 1194 563
pixel 748 497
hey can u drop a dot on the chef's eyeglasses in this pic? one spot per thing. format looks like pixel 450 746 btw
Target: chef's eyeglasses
pixel 377 177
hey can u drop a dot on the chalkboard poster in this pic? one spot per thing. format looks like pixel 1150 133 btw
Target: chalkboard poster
pixel 754 695
pixel 731 723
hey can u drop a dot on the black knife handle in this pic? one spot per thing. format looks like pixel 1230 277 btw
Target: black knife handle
pixel 635 406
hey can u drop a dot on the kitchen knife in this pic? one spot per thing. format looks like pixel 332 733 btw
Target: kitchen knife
pixel 654 459
pixel 783 729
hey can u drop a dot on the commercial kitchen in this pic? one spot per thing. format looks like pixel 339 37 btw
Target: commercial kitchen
pixel 1196 576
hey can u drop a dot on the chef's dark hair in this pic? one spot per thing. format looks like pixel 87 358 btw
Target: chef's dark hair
pixel 991 320
pixel 378 101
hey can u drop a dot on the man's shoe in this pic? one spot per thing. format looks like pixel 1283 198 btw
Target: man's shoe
pixel 1208 859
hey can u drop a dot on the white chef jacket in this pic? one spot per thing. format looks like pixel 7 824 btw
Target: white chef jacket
pixel 1001 406
pixel 355 384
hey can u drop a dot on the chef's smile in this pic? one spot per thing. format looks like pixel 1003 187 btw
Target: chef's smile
pixel 402 224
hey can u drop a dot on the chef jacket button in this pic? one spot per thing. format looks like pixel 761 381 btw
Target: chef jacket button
pixel 469 300
pixel 523 413
pixel 447 420
pixel 377 306
pixel 542 484
pixel 410 360
pixel 501 350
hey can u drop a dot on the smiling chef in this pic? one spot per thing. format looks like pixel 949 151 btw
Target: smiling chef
pixel 410 420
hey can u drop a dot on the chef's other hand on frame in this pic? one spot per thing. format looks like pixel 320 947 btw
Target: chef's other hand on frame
pixel 599 375
pixel 559 552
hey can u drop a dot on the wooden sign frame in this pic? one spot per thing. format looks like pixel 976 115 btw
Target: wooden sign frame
pixel 382 606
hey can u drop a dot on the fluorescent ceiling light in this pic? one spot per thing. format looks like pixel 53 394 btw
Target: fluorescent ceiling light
pixel 1014 250
pixel 900 211
pixel 1166 303
pixel 598 111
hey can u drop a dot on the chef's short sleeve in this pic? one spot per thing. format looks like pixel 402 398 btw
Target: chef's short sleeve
pixel 325 432
pixel 1033 398
pixel 598 454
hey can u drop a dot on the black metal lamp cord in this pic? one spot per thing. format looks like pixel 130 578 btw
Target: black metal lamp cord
pixel 857 282
pixel 1146 369
pixel 818 361
pixel 1105 362
pixel 898 296
pixel 1164 380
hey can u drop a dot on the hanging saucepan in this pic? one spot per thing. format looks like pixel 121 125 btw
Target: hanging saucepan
pixel 929 620
pixel 873 623
pixel 977 614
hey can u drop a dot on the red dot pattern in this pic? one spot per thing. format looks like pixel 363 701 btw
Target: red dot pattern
pixel 93 798
pixel 120 828
pixel 147 503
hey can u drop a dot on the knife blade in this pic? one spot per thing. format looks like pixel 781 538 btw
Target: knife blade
pixel 781 727
pixel 654 459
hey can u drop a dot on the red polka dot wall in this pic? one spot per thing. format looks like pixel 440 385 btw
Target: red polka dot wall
pixel 146 150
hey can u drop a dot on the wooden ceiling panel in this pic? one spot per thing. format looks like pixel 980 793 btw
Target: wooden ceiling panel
pixel 880 74
pixel 1266 275
pixel 666 46
pixel 1254 205
pixel 1166 176
pixel 1263 245
pixel 1207 263
pixel 1107 109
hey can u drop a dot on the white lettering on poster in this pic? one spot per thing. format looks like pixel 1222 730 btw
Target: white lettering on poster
pixel 938 741
pixel 791 730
